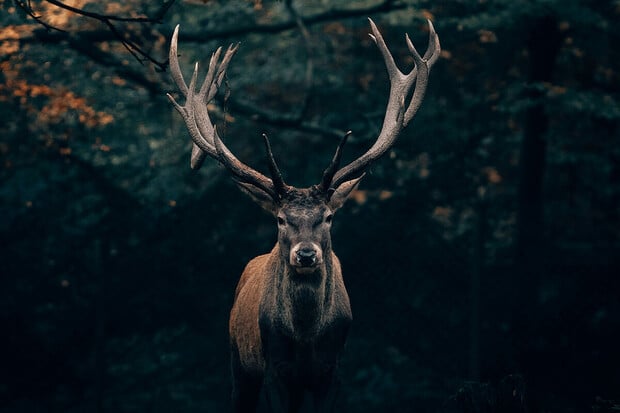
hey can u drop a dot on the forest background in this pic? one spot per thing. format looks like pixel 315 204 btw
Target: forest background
pixel 481 254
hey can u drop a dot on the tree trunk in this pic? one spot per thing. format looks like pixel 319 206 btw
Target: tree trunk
pixel 543 45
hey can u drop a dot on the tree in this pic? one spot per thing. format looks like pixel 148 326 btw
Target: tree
pixel 513 154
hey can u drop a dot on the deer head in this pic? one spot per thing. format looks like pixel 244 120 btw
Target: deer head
pixel 304 215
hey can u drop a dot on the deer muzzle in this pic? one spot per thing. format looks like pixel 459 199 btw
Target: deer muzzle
pixel 306 256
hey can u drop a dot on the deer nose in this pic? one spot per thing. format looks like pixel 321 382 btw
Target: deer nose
pixel 306 257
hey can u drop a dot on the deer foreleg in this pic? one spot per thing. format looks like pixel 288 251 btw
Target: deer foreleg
pixel 284 393
pixel 246 387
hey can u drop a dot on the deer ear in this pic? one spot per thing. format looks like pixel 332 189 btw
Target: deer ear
pixel 341 194
pixel 259 196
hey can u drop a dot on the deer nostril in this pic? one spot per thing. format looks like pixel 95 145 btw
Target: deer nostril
pixel 306 257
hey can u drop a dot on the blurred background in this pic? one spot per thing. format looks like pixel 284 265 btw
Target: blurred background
pixel 481 253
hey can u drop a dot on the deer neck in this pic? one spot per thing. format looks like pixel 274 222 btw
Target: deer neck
pixel 304 300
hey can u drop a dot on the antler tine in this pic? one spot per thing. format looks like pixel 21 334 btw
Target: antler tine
pixel 434 47
pixel 423 67
pixel 198 156
pixel 421 83
pixel 331 169
pixel 276 175
pixel 232 49
pixel 208 82
pixel 173 58
pixel 398 114
pixel 208 90
pixel 196 116
pixel 188 114
pixel 202 145
pixel 204 123
pixel 390 64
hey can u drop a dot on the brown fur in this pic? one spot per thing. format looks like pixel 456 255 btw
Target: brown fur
pixel 305 318
pixel 244 316
pixel 243 325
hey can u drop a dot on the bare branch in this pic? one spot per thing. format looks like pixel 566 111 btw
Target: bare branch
pixel 132 47
pixel 108 17
pixel 325 16
pixel 109 60
pixel 135 50
pixel 30 12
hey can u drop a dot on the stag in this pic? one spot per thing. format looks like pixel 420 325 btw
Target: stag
pixel 291 314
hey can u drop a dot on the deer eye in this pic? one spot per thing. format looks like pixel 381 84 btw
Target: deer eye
pixel 328 219
pixel 281 221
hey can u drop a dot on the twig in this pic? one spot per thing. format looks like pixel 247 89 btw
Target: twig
pixel 27 8
pixel 136 51
pixel 108 60
pixel 107 17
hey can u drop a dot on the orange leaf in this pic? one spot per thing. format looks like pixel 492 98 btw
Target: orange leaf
pixel 492 175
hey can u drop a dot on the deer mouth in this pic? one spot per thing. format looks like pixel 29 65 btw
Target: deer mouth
pixel 305 267
pixel 306 270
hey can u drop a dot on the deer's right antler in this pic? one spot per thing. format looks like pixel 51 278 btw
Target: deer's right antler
pixel 206 141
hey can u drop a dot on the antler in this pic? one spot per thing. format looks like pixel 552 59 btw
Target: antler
pixel 206 141
pixel 330 171
pixel 397 115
